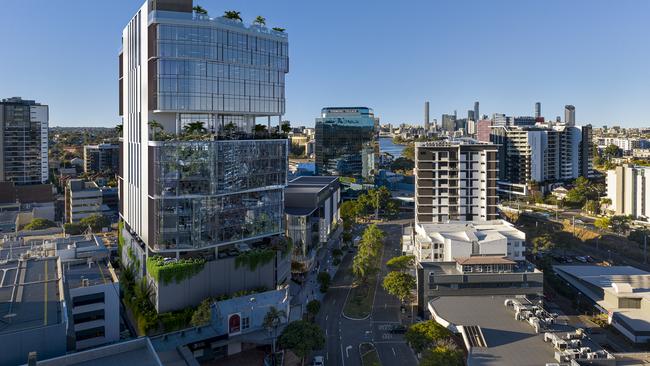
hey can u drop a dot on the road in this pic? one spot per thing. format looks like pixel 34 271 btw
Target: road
pixel 343 335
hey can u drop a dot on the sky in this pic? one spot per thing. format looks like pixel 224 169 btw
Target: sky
pixel 391 56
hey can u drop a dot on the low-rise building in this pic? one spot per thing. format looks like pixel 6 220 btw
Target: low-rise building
pixel 621 292
pixel 101 158
pixel 472 258
pixel 312 211
pixel 137 351
pixel 83 199
pixel 19 204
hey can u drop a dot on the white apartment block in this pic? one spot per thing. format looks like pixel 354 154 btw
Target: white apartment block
pixel 629 189
pixel 627 144
pixel 82 199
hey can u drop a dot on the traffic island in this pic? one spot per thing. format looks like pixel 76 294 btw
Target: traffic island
pixel 369 355
pixel 359 302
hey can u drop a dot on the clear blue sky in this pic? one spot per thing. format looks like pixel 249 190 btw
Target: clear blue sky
pixel 387 55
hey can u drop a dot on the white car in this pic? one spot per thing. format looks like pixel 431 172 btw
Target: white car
pixel 318 361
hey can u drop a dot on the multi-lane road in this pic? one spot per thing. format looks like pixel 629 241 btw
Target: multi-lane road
pixel 344 335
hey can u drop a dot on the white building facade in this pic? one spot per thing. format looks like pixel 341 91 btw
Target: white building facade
pixel 628 187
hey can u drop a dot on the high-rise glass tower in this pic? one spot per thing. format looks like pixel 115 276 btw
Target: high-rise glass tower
pixel 23 141
pixel 569 115
pixel 345 142
pixel 194 180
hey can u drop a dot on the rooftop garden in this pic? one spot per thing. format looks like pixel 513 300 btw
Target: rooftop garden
pixel 196 131
pixel 165 270
pixel 235 16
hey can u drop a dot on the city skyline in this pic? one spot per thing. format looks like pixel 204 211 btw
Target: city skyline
pixel 74 72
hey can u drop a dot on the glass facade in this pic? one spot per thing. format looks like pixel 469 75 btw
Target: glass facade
pixel 207 193
pixel 205 68
pixel 345 142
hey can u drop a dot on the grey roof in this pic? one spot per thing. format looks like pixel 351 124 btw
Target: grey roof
pixel 316 180
pixel 509 341
pixel 30 295
pixel 134 352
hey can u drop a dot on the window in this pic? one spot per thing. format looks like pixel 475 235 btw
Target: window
pixel 89 333
pixel 88 299
pixel 245 323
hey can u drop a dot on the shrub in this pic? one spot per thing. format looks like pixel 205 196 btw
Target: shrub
pixel 174 270
pixel 254 258
pixel 39 224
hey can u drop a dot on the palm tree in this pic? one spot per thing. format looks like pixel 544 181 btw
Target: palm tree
pixel 153 126
pixel 231 14
pixel 278 29
pixel 260 20
pixel 259 130
pixel 195 127
pixel 142 293
pixel 271 322
pixel 286 128
pixel 119 128
pixel 199 10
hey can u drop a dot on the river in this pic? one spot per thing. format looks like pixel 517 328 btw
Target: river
pixel 386 145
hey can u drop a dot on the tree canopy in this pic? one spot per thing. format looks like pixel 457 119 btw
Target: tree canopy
pixel 399 284
pixel 401 263
pixel 365 261
pixel 424 334
pixel 39 224
pixel 301 337
pixel 442 355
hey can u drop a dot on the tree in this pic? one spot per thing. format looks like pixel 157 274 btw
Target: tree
pixel 611 151
pixel 602 223
pixel 313 307
pixel 96 222
pixel 285 128
pixel 278 29
pixel 442 355
pixel 324 279
pixel 400 285
pixel 203 313
pixel 401 263
pixel 72 228
pixel 365 261
pixel 39 224
pixel 260 20
pixel 591 206
pixel 409 151
pixel 233 15
pixel 620 224
pixel 119 128
pixel 260 130
pixel 402 164
pixel 199 10
pixel 272 321
pixel 229 129
pixel 542 243
pixel 422 335
pixel 349 212
pixel 301 337
pixel 155 126
pixel 197 127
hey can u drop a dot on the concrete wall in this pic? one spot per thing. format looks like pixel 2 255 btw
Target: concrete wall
pixel 218 277
pixel 111 307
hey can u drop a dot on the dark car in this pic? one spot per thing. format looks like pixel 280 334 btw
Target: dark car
pixel 398 329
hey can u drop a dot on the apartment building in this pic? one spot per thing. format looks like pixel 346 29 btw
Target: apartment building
pixel 208 189
pixel 23 141
pixel 543 155
pixel 455 181
pixel 101 158
pixel 628 187
pixel 82 199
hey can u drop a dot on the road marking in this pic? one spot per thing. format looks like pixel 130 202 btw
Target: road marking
pixel 342 358
pixel 45 295
pixel 394 354
pixel 326 316
pixel 347 351
pixel 334 302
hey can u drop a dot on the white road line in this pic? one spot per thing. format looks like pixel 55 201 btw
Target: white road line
pixel 342 358
pixel 325 332
pixel 394 354
pixel 326 316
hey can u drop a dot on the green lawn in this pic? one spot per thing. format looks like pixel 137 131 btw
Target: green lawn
pixel 369 356
pixel 360 299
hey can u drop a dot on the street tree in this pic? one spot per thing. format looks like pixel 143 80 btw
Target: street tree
pixel 442 355
pixel 602 223
pixel 301 337
pixel 423 335
pixel 400 285
pixel 542 243
pixel 401 263
pixel 324 279
pixel 313 307
pixel 620 224
pixel 272 320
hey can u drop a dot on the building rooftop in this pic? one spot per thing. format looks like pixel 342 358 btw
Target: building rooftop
pixel 134 352
pixel 88 273
pixel 30 294
pixel 314 180
pixel 509 341
pixel 484 260
pixel 33 193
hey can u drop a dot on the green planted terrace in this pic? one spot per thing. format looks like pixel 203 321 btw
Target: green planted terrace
pixel 177 271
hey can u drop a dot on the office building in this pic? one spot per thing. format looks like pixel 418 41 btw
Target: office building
pixel 628 187
pixel 205 197
pixel 538 110
pixel 500 119
pixel 345 142
pixel 543 155
pixel 426 117
pixel 470 115
pixel 569 115
pixel 101 158
pixel 311 205
pixel 477 116
pixel 455 181
pixel 23 141
pixel 78 305
pixel 523 121
pixel 449 122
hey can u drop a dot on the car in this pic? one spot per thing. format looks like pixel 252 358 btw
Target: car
pixel 580 259
pixel 589 259
pixel 398 329
pixel 318 361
